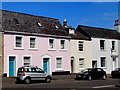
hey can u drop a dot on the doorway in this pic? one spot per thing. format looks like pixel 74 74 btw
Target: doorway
pixel 11 66
pixel 72 64
pixel 46 64
pixel 114 63
pixel 94 64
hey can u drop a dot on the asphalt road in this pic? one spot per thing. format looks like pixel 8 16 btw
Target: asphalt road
pixel 70 84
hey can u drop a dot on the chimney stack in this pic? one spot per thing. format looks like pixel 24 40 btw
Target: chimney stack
pixel 65 23
pixel 117 25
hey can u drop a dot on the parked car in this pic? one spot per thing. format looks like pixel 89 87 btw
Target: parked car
pixel 28 73
pixel 115 73
pixel 91 73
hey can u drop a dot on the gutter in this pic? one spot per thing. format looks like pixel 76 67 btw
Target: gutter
pixel 44 35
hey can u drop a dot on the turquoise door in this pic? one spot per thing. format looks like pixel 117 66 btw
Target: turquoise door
pixel 45 64
pixel 11 66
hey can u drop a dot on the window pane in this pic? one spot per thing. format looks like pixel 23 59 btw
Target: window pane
pixel 81 62
pixel 26 61
pixel 32 42
pixel 18 41
pixel 51 43
pixel 59 62
pixel 103 61
pixel 102 44
pixel 62 44
pixel 113 45
pixel 80 44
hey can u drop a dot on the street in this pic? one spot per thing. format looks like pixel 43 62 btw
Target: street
pixel 64 83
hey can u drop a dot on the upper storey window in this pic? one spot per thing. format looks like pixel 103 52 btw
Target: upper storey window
pixel 51 43
pixel 80 46
pixel 32 42
pixel 113 45
pixel 102 44
pixel 18 42
pixel 62 44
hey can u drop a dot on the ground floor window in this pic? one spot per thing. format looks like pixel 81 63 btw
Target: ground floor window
pixel 59 62
pixel 81 62
pixel 26 61
pixel 103 61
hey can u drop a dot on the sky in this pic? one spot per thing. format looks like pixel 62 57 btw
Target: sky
pixel 59 0
pixel 95 14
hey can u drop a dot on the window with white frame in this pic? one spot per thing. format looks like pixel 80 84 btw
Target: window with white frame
pixel 51 43
pixel 59 62
pixel 113 45
pixel 18 41
pixel 80 46
pixel 26 61
pixel 32 42
pixel 102 44
pixel 81 62
pixel 62 43
pixel 103 61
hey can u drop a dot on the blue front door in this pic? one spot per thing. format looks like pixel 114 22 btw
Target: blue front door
pixel 45 64
pixel 11 66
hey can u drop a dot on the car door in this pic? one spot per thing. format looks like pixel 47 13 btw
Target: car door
pixel 41 73
pixel 100 73
pixel 94 73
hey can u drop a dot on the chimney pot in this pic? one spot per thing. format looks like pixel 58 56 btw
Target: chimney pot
pixel 65 23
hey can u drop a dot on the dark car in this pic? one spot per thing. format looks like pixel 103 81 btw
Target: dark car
pixel 91 73
pixel 116 73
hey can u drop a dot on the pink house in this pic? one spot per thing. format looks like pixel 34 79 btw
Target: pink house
pixel 34 40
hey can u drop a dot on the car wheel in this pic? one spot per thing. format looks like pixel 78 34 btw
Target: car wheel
pixel 90 78
pixel 48 79
pixel 27 80
pixel 104 77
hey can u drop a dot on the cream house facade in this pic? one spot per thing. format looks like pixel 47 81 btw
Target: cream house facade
pixel 80 50
pixel 80 59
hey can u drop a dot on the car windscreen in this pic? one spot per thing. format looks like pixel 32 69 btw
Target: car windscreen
pixel 117 69
pixel 86 70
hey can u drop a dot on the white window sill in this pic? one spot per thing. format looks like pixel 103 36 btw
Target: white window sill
pixel 35 49
pixel 51 49
pixel 102 50
pixel 63 49
pixel 59 69
pixel 81 51
pixel 16 48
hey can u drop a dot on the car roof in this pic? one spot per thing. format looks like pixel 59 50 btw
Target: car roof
pixel 93 68
pixel 29 67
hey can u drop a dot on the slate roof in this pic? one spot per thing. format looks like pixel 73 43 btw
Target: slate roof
pixel 20 22
pixel 95 32
pixel 77 34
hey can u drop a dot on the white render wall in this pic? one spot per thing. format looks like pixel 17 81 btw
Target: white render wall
pixel 97 53
pixel 119 53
